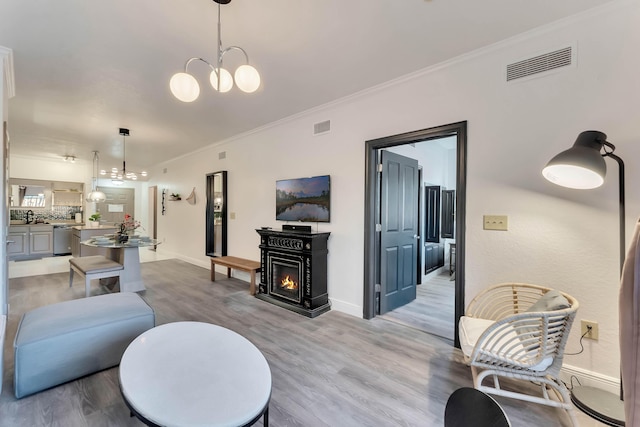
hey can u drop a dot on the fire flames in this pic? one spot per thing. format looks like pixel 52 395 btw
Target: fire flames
pixel 288 284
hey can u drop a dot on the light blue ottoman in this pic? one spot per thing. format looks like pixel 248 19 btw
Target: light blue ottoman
pixel 65 341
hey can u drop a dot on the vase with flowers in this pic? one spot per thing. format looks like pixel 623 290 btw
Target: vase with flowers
pixel 127 228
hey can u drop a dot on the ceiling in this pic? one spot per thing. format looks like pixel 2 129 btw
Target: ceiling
pixel 83 68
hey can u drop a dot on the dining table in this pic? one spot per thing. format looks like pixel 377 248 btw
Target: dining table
pixel 126 253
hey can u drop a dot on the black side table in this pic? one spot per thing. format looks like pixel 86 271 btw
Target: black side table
pixel 468 407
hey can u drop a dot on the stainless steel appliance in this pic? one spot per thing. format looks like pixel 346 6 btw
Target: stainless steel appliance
pixel 62 239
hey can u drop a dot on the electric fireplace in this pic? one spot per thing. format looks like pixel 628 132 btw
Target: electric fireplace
pixel 294 270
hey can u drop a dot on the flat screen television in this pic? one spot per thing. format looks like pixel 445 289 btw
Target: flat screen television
pixel 303 199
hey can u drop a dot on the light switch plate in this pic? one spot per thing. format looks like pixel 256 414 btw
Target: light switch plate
pixel 495 222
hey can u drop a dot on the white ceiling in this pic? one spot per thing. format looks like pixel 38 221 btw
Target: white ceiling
pixel 85 68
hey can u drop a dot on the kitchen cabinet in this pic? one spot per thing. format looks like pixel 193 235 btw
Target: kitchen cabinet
pixel 433 256
pixel 82 233
pixel 18 242
pixel 448 214
pixel 30 241
pixel 41 240
pixel 432 213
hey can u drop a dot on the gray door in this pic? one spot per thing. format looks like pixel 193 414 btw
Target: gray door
pixel 120 201
pixel 399 238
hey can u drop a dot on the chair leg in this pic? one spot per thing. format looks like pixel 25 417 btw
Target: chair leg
pixel 562 393
pixel 87 286
pixel 70 277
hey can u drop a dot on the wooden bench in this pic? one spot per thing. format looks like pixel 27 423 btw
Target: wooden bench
pixel 232 262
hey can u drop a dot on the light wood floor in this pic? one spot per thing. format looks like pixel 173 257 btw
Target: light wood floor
pixel 334 370
pixel 433 309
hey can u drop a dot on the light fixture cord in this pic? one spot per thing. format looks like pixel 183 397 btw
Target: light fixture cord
pixel 219 65
pixel 97 159
pixel 124 155
pixel 95 171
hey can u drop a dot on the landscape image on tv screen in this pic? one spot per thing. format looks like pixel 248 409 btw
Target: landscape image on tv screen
pixel 303 199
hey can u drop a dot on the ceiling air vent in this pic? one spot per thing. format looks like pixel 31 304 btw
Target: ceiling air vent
pixel 540 64
pixel 322 127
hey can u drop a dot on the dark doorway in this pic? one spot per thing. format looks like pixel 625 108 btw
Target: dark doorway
pixel 373 225
pixel 216 214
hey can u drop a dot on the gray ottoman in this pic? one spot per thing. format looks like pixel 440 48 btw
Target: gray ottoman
pixel 65 341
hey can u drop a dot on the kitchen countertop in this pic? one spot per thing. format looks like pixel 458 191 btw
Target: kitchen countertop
pixel 48 222
pixel 100 227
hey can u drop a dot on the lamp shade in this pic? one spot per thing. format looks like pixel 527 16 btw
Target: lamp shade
pixel 247 78
pixel 226 81
pixel 184 87
pixel 96 196
pixel 581 166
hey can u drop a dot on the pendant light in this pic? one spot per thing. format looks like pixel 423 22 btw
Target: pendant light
pixel 96 195
pixel 185 87
pixel 118 176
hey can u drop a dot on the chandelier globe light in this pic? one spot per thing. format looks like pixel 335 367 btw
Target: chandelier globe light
pixel 225 80
pixel 186 88
pixel 95 196
pixel 247 78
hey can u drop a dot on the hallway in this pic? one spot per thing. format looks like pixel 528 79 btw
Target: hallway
pixel 433 309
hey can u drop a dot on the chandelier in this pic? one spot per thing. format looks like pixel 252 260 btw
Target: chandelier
pixel 185 87
pixel 118 176
pixel 95 195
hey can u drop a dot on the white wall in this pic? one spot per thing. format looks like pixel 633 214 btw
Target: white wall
pixel 558 237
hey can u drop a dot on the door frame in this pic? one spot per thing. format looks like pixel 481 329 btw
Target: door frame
pixel 153 213
pixel 372 211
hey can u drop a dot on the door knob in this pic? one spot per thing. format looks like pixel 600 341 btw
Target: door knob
pixel 415 236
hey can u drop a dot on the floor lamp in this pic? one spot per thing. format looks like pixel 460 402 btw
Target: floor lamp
pixel 583 167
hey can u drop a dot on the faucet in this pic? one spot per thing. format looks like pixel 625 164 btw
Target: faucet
pixel 29 216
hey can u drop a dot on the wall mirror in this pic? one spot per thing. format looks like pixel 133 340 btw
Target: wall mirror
pixel 28 196
pixel 38 193
pixel 216 240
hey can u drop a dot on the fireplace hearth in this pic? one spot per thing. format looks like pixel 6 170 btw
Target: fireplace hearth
pixel 294 270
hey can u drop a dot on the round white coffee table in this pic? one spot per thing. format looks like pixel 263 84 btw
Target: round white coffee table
pixel 195 374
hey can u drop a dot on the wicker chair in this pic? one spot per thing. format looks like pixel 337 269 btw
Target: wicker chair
pixel 501 336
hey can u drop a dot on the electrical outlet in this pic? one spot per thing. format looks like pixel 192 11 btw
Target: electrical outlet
pixel 584 328
pixel 495 222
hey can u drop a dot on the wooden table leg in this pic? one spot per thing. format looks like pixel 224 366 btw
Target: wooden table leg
pixel 229 272
pixel 213 271
pixel 252 284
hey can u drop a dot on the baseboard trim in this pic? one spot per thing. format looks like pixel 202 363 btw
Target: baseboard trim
pixel 200 263
pixel 346 307
pixel 589 378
